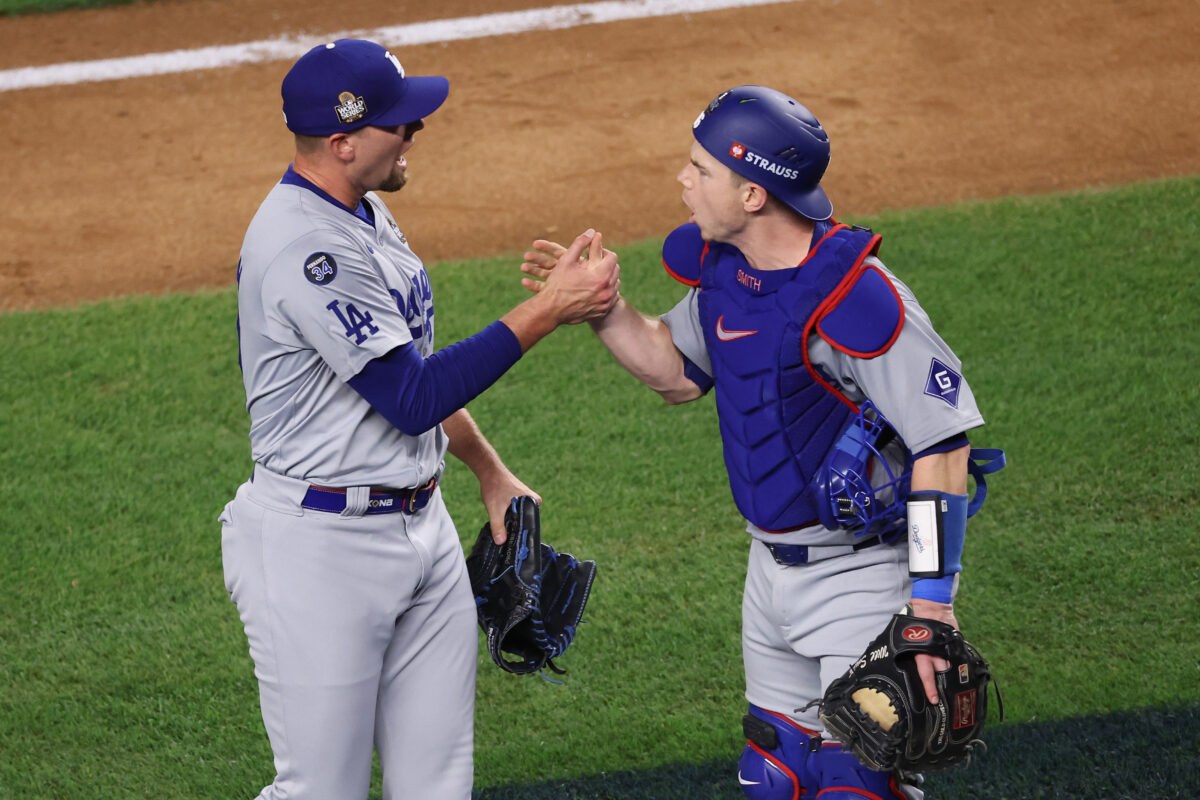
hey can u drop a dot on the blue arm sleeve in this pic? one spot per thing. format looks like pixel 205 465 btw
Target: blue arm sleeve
pixel 415 393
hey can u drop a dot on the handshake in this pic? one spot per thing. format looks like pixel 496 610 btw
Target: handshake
pixel 576 283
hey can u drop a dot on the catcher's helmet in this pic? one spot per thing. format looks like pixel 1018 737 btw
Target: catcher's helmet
pixel 845 494
pixel 767 137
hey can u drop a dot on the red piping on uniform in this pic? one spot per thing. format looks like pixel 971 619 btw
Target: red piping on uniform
pixel 797 788
pixel 895 333
pixel 837 226
pixel 680 278
pixel 832 300
pixel 801 526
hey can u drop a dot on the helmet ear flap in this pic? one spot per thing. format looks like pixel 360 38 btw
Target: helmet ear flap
pixel 846 495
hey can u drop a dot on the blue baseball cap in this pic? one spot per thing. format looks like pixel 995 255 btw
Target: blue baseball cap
pixel 348 84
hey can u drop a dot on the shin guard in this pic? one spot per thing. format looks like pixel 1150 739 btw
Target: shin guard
pixel 775 762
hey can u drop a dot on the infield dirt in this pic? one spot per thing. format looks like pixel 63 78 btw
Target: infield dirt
pixel 146 185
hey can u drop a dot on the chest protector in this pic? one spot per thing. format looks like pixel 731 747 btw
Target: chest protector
pixel 779 417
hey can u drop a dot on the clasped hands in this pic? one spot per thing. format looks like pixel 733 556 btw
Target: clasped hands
pixel 582 281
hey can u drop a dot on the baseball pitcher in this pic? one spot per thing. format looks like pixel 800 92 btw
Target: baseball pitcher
pixel 341 557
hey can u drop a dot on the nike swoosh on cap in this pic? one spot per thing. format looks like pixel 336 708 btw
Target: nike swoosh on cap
pixel 729 336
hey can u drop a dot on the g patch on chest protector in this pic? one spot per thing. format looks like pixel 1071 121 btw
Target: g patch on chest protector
pixel 320 269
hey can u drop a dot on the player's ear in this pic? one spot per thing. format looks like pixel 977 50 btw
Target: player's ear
pixel 754 197
pixel 341 147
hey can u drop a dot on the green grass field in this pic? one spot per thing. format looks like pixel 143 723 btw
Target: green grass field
pixel 125 670
pixel 15 7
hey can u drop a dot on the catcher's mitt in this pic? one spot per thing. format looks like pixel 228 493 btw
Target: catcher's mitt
pixel 878 709
pixel 529 598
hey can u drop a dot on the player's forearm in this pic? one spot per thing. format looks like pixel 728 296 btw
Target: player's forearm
pixel 531 321
pixel 942 472
pixel 468 444
pixel 938 502
pixel 642 345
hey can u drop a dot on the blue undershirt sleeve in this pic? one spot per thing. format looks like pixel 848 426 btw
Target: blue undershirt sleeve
pixel 696 375
pixel 415 393
pixel 944 446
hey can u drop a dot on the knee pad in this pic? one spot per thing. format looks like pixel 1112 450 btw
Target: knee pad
pixel 841 776
pixel 774 763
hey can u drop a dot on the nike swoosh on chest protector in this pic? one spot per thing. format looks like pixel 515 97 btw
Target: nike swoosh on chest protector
pixel 727 335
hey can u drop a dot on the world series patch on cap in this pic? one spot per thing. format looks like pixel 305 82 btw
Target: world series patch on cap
pixel 348 84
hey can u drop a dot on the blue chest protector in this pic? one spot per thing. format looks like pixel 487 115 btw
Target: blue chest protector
pixel 779 417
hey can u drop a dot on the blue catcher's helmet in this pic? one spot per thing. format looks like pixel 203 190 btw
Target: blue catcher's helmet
pixel 845 495
pixel 768 138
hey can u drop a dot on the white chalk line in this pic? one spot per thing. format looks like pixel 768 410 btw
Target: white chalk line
pixel 290 48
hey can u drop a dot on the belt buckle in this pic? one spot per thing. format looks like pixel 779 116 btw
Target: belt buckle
pixel 411 496
pixel 410 499
pixel 782 553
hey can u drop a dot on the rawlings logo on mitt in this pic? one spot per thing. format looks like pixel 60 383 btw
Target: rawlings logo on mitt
pixel 878 709
pixel 529 598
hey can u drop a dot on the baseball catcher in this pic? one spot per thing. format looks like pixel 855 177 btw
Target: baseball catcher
pixel 878 709
pixel 806 339
pixel 530 599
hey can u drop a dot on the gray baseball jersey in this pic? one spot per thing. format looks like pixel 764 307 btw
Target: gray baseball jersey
pixel 355 600
pixel 321 293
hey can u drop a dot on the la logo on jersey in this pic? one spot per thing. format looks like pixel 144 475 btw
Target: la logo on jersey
pixel 359 325
pixel 943 383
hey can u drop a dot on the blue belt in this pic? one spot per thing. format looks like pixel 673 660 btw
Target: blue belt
pixel 791 555
pixel 382 501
